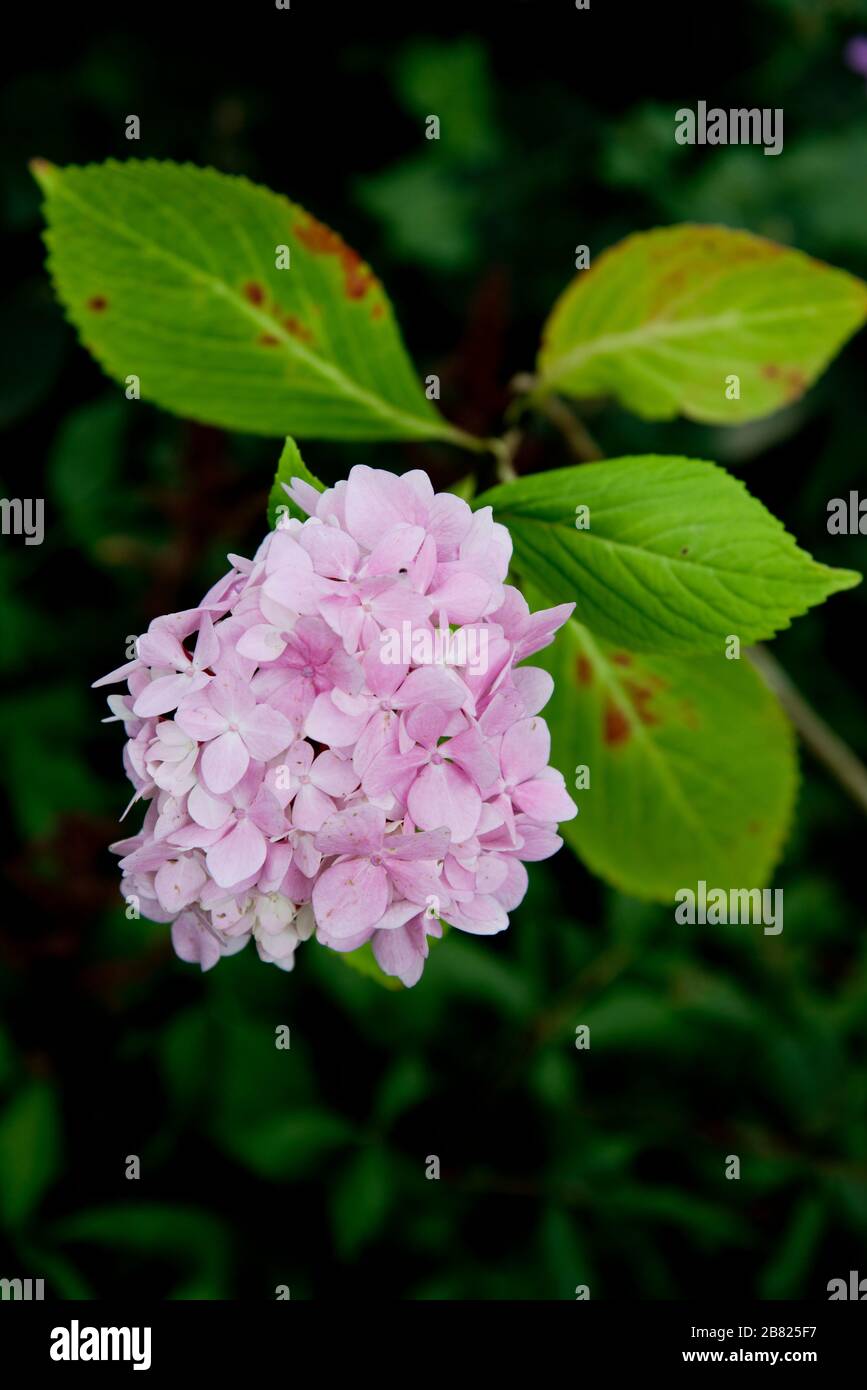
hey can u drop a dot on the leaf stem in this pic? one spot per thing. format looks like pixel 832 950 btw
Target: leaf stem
pixel 505 450
pixel 579 441
pixel 826 746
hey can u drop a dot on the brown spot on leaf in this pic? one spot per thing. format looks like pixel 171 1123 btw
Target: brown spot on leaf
pixel 641 695
pixel 583 670
pixel 615 726
pixel 796 384
pixel 322 241
pixel 688 715
pixel 793 380
pixel 754 827
pixel 254 293
pixel 298 330
pixel 97 304
pixel 621 658
pixel 378 310
pixel 268 340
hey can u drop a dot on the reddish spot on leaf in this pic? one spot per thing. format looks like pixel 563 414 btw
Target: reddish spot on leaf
pixel 688 714
pixel 254 293
pixel 621 659
pixel 97 304
pixel 641 695
pixel 796 384
pixel 615 727
pixel 793 380
pixel 297 329
pixel 322 241
pixel 268 340
pixel 754 827
pixel 378 310
pixel 583 670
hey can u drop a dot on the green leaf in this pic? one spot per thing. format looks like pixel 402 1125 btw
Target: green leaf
pixel 284 1147
pixel 192 1238
pixel 29 1151
pixel 678 556
pixel 83 468
pixel 291 465
pixel 406 1084
pixel 360 1201
pixel 692 765
pixel 787 1273
pixel 663 318
pixel 170 273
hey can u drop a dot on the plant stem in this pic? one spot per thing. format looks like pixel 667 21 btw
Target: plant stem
pixel 826 746
pixel 505 450
pixel 579 441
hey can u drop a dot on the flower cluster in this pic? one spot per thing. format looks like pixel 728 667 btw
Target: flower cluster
pixel 306 773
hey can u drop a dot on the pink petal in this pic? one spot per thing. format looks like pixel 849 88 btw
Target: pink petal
pixel 358 830
pixel 166 693
pixel 232 697
pixel 238 855
pixel 207 644
pixel 425 724
pixel 433 685
pixel 224 762
pixel 200 720
pixel 464 596
pixel 262 642
pixel 327 724
pixel 392 771
pixel 470 751
pixel 395 551
pixel 266 732
pixel 350 897
pixel 444 795
pixel 376 501
pixel 525 750
pixel 483 916
pixel 311 808
pixel 421 844
pixel 397 953
pixel 193 942
pixel 206 810
pixel 545 799
pixel 417 880
pixel 537 841
pixel 534 686
pixel 177 883
pixel 334 775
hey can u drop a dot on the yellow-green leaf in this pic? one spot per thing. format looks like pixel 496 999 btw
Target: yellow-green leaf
pixel 703 321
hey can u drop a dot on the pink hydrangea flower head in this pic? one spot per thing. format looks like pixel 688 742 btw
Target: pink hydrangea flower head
pixel 338 743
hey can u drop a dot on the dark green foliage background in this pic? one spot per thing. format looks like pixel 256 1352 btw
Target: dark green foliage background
pixel 306 1167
